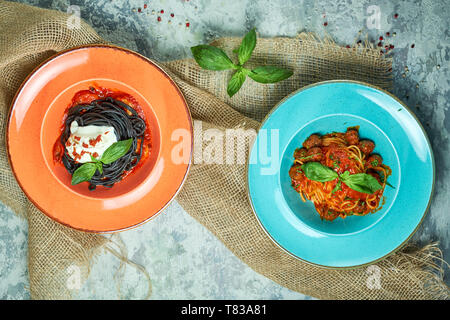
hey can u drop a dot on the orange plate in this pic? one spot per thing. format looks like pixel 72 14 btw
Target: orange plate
pixel 35 121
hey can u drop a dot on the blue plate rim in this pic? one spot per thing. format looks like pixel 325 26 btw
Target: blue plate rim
pixel 424 214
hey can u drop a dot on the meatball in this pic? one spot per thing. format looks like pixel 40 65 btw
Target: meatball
pixel 374 161
pixel 352 136
pixel 315 153
pixel 366 146
pixel 300 153
pixel 314 140
pixel 295 172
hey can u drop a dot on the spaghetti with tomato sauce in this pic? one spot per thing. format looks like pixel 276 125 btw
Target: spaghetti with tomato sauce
pixel 104 108
pixel 342 153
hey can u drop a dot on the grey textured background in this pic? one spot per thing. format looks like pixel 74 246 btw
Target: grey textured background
pixel 184 259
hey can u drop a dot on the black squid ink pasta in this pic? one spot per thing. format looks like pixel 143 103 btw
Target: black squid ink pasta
pixel 126 123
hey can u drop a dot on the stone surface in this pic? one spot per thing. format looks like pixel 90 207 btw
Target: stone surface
pixel 186 261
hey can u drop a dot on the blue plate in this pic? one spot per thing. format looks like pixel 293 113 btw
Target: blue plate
pixel 322 108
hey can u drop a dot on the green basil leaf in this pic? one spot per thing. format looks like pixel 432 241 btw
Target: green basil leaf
pixel 390 185
pixel 269 74
pixel 345 175
pixel 84 173
pixel 337 187
pixel 99 167
pixel 361 182
pixel 236 82
pixel 247 46
pixel 383 178
pixel 98 163
pixel 116 150
pixel 212 58
pixel 318 172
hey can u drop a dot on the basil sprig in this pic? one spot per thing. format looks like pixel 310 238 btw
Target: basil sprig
pixel 84 173
pixel 87 170
pixel 213 58
pixel 318 172
pixel 116 150
pixel 361 182
pixel 269 74
pixel 247 46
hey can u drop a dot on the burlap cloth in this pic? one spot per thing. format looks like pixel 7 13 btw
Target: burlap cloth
pixel 215 195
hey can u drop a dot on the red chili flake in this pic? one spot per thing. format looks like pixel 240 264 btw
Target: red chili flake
pixel 172 15
pixel 83 152
pixel 347 46
pixel 388 34
pixel 381 38
pixel 95 155
pixel 85 145
pixel 68 144
pixel 187 24
pixel 93 142
pixel 77 138
pixel 145 6
pixel 391 46
pixel 325 24
pixel 139 10
pixel 396 15
pixel 413 45
pixel 162 11
pixel 159 19
pixel 75 154
pixel 379 44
